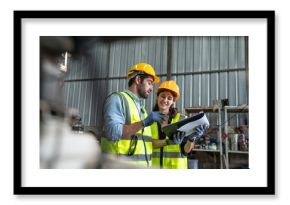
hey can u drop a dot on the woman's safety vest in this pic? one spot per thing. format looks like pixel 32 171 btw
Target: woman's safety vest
pixel 138 149
pixel 171 156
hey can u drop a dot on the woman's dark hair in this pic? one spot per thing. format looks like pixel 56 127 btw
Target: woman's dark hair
pixel 172 110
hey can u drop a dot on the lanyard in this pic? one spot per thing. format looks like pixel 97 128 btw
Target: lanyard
pixel 134 139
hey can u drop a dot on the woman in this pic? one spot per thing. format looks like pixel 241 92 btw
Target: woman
pixel 170 154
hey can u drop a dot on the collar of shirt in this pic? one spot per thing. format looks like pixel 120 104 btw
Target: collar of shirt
pixel 137 100
pixel 134 97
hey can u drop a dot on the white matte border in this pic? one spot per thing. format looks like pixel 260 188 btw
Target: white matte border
pixel 256 176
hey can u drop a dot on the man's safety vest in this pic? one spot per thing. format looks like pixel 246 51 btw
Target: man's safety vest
pixel 171 156
pixel 137 149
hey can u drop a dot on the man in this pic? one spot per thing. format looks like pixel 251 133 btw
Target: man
pixel 127 132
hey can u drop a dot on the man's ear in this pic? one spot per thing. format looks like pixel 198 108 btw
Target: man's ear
pixel 138 80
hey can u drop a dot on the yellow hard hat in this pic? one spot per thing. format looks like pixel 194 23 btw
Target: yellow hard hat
pixel 171 86
pixel 143 68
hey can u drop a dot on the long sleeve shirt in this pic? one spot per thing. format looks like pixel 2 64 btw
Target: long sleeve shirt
pixel 115 116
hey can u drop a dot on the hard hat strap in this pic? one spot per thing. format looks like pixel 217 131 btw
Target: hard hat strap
pixel 135 74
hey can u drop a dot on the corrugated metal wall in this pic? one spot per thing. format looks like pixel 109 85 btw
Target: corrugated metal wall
pixel 86 84
pixel 205 68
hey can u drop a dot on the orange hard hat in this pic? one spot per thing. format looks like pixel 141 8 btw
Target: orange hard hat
pixel 143 68
pixel 171 86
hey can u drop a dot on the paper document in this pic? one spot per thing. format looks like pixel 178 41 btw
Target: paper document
pixel 187 125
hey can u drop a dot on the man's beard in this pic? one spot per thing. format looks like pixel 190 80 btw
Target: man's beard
pixel 141 91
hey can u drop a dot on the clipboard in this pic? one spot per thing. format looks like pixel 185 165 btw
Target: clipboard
pixel 187 125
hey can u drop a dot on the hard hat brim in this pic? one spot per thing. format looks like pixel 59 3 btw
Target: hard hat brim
pixel 156 79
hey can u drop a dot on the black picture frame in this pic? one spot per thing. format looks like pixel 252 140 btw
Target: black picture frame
pixel 19 189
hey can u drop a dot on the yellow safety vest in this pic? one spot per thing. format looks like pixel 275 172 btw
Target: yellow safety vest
pixel 172 156
pixel 138 149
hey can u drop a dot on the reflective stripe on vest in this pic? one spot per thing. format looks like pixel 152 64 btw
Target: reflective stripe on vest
pixel 139 147
pixel 172 155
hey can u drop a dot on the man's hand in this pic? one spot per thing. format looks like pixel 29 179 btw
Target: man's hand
pixel 177 138
pixel 153 117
